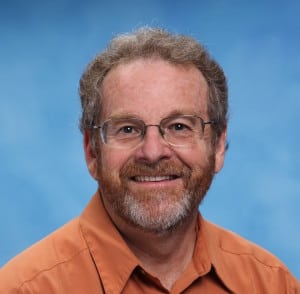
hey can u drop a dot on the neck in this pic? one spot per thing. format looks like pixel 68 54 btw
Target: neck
pixel 160 254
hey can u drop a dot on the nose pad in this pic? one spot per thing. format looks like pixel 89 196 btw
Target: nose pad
pixel 153 147
pixel 160 130
pixel 154 135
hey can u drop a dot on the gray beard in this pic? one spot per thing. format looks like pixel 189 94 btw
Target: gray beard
pixel 157 218
pixel 157 211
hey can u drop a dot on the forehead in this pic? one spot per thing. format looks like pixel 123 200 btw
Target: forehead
pixel 152 89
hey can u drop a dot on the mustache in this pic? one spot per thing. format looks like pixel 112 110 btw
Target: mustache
pixel 160 168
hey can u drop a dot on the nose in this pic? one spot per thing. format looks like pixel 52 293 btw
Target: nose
pixel 153 147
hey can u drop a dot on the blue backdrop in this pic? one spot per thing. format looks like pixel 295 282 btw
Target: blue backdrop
pixel 45 46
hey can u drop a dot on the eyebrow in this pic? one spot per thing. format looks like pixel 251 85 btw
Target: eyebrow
pixel 121 116
pixel 128 115
pixel 183 112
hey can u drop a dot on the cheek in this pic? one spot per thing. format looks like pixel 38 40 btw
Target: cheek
pixel 197 156
pixel 112 160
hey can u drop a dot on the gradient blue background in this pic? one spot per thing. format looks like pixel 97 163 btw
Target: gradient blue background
pixel 45 46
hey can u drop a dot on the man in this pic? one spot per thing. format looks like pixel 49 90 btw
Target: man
pixel 154 123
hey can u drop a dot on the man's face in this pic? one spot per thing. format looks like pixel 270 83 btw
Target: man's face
pixel 155 186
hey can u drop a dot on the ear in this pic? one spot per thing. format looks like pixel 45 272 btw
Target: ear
pixel 90 156
pixel 220 151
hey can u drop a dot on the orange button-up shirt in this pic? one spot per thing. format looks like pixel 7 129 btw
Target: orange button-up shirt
pixel 88 255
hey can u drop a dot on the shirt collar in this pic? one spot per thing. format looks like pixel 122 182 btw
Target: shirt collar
pixel 111 255
pixel 212 235
pixel 115 262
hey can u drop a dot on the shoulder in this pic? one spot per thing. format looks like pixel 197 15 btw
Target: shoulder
pixel 244 263
pixel 233 244
pixel 59 248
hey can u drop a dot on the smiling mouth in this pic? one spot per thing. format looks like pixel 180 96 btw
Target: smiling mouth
pixel 154 178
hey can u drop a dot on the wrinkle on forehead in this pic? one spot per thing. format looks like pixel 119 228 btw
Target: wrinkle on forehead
pixel 134 82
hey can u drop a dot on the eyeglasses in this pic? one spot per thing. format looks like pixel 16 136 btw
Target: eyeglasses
pixel 178 131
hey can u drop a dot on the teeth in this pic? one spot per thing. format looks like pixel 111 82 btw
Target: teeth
pixel 152 179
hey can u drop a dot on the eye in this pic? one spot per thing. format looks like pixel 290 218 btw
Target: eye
pixel 128 130
pixel 179 127
pixel 125 129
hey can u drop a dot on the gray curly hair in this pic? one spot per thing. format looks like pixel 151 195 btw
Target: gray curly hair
pixel 154 43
